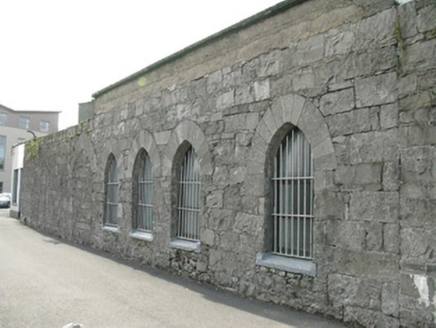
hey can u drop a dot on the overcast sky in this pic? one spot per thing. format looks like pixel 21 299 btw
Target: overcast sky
pixel 55 54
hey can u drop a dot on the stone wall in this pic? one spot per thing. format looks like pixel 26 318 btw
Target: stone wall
pixel 362 90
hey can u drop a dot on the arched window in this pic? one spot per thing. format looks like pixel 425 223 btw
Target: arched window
pixel 144 179
pixel 189 198
pixel 110 217
pixel 293 197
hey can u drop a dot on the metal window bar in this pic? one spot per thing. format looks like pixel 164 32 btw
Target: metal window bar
pixel 112 195
pixel 293 197
pixel 145 197
pixel 189 198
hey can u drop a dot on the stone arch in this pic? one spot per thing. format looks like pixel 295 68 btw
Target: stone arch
pixel 111 159
pixel 145 140
pixel 285 113
pixel 141 155
pixel 111 148
pixel 186 134
pixel 83 166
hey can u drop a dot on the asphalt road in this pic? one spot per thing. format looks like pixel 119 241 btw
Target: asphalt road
pixel 45 282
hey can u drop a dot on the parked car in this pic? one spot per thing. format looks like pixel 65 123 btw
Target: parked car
pixel 5 200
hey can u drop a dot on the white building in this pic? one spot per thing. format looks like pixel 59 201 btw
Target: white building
pixel 17 157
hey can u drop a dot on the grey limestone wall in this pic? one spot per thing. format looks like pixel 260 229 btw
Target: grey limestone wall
pixel 362 92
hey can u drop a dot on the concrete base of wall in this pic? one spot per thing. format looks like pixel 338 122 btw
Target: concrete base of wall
pixel 14 214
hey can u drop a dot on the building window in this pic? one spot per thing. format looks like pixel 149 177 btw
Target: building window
pixel 3 118
pixel 44 126
pixel 23 122
pixel 2 152
pixel 110 217
pixel 189 198
pixel 15 187
pixel 144 194
pixel 293 186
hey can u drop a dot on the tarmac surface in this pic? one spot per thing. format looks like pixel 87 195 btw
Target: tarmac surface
pixel 45 282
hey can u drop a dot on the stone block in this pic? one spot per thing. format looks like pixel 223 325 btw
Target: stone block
pixel 313 125
pixel 356 121
pixel 389 116
pixel 349 291
pixel 270 64
pixel 374 206
pixel 426 191
pixel 221 175
pixel 369 318
pixel 214 82
pixel 346 234
pixel 225 100
pixel 244 94
pixel 389 298
pixel 420 116
pixel 208 237
pixel 373 236
pixel 376 90
pixel 376 31
pixel 382 60
pixel 309 50
pixel 417 212
pixel 391 238
pixel 417 135
pixel 339 44
pixel 361 177
pixel 162 138
pixel 408 287
pixel 372 7
pixel 250 70
pixel 415 101
pixel 427 18
pixel 371 265
pixel 417 165
pixel 391 176
pixel 414 243
pixel 407 19
pixel 303 79
pixel 337 102
pixel 281 85
pixel 215 199
pixel 372 147
pixel 220 219
pixel 232 197
pixel 248 223
pixel 287 109
pixel 419 56
pixel 407 84
pixel 237 174
pixel 241 122
pixel 330 204
pixel 261 90
pixel 232 78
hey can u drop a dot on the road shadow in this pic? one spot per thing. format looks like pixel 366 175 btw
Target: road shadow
pixel 278 313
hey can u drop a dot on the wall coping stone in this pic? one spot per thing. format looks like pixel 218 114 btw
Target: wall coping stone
pixel 110 228
pixel 141 235
pixel 186 245
pixel 288 264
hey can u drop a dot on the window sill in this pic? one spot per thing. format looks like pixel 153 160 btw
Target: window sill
pixel 141 235
pixel 288 264
pixel 110 228
pixel 186 245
